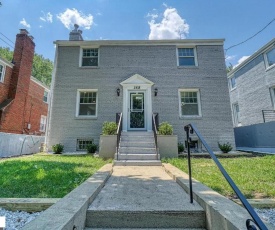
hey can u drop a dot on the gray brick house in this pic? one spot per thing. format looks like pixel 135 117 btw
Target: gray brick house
pixel 252 98
pixel 182 80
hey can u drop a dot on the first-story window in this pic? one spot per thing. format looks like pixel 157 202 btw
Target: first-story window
pixel 190 102
pixel 236 114
pixel 43 121
pixel 83 143
pixel 86 103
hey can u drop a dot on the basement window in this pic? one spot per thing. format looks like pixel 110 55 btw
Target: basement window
pixel 82 144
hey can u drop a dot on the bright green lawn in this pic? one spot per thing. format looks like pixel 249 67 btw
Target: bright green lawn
pixel 255 176
pixel 45 175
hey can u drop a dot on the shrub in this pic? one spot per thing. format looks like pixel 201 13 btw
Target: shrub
pixel 58 148
pixel 165 129
pixel 109 128
pixel 225 148
pixel 180 147
pixel 91 148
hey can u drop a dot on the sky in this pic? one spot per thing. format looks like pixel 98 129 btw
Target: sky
pixel 51 20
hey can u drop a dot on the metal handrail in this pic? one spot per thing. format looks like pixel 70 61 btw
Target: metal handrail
pixel 118 132
pixel 191 128
pixel 267 114
pixel 154 127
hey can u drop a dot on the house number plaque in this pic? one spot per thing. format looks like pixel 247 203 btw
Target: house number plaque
pixel 136 87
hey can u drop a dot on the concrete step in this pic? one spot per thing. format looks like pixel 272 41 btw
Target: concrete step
pixel 137 144
pixel 137 157
pixel 145 219
pixel 136 150
pixel 137 134
pixel 145 228
pixel 137 138
pixel 137 163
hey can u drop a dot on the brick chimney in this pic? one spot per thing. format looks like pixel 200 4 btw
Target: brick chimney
pixel 76 34
pixel 22 59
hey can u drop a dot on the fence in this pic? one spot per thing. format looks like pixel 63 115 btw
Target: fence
pixel 19 144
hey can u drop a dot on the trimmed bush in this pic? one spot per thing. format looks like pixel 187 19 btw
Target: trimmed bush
pixel 165 128
pixel 91 148
pixel 225 148
pixel 180 147
pixel 58 148
pixel 109 128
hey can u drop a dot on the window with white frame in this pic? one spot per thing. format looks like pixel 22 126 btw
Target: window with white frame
pixel 270 57
pixel 233 82
pixel 187 57
pixel 83 143
pixel 272 93
pixel 86 103
pixel 43 122
pixel 236 114
pixel 190 102
pixel 2 72
pixel 90 57
pixel 45 97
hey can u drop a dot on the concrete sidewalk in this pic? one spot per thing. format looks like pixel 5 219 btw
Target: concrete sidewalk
pixel 143 196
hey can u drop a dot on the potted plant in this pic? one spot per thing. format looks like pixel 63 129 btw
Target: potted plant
pixel 167 142
pixel 108 140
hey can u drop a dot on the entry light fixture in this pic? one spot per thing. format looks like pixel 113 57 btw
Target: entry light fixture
pixel 156 91
pixel 118 91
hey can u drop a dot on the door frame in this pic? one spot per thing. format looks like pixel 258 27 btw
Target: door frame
pixel 139 84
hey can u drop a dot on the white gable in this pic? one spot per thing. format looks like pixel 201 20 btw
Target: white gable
pixel 136 80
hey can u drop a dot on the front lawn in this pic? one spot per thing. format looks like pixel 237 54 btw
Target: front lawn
pixel 45 175
pixel 255 176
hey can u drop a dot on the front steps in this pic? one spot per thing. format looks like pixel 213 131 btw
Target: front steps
pixel 137 148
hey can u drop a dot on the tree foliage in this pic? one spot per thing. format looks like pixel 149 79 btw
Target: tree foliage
pixel 41 68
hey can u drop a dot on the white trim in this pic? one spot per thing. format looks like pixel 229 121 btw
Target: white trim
pixel 81 55
pixel 144 85
pixel 35 80
pixel 2 79
pixel 195 56
pixel 272 94
pixel 230 82
pixel 43 118
pixel 77 103
pixel 199 103
pixel 7 63
pixel 177 42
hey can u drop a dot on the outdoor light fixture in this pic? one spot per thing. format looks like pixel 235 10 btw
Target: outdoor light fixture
pixel 156 91
pixel 118 91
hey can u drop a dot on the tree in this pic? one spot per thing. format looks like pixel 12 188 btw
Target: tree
pixel 229 68
pixel 41 68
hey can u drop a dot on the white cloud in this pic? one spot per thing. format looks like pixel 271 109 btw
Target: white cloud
pixel 172 26
pixel 47 17
pixel 242 59
pixel 72 16
pixel 230 57
pixel 23 22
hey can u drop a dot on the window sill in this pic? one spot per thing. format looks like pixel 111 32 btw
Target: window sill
pixel 85 118
pixel 88 67
pixel 191 117
pixel 233 89
pixel 187 67
pixel 270 67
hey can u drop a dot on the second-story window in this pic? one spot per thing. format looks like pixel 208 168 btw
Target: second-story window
pixel 45 97
pixel 186 57
pixel 270 57
pixel 233 82
pixel 90 57
pixel 1 73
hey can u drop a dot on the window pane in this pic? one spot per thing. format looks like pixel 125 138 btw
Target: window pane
pixel 87 109
pixel 190 109
pixel 186 61
pixel 271 57
pixel 89 61
pixel 186 52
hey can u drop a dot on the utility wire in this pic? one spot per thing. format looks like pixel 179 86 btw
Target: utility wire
pixel 7 43
pixel 7 38
pixel 250 37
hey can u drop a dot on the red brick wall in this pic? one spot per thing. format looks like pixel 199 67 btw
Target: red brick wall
pixel 27 106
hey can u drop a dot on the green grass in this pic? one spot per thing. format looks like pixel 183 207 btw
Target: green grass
pixel 45 175
pixel 255 176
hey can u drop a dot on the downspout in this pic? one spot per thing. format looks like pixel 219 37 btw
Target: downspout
pixel 49 116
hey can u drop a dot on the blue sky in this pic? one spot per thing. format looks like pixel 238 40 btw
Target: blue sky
pixel 49 20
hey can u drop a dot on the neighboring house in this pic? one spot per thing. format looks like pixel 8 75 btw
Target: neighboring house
pixel 183 81
pixel 252 97
pixel 23 99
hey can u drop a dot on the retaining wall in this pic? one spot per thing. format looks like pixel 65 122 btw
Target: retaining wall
pixel 19 144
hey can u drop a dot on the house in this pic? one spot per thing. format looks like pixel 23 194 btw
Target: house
pixel 183 81
pixel 252 98
pixel 23 99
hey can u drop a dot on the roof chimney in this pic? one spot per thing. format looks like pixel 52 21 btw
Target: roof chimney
pixel 76 34
pixel 23 31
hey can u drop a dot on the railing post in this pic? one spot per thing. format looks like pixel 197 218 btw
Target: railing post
pixel 263 115
pixel 187 130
